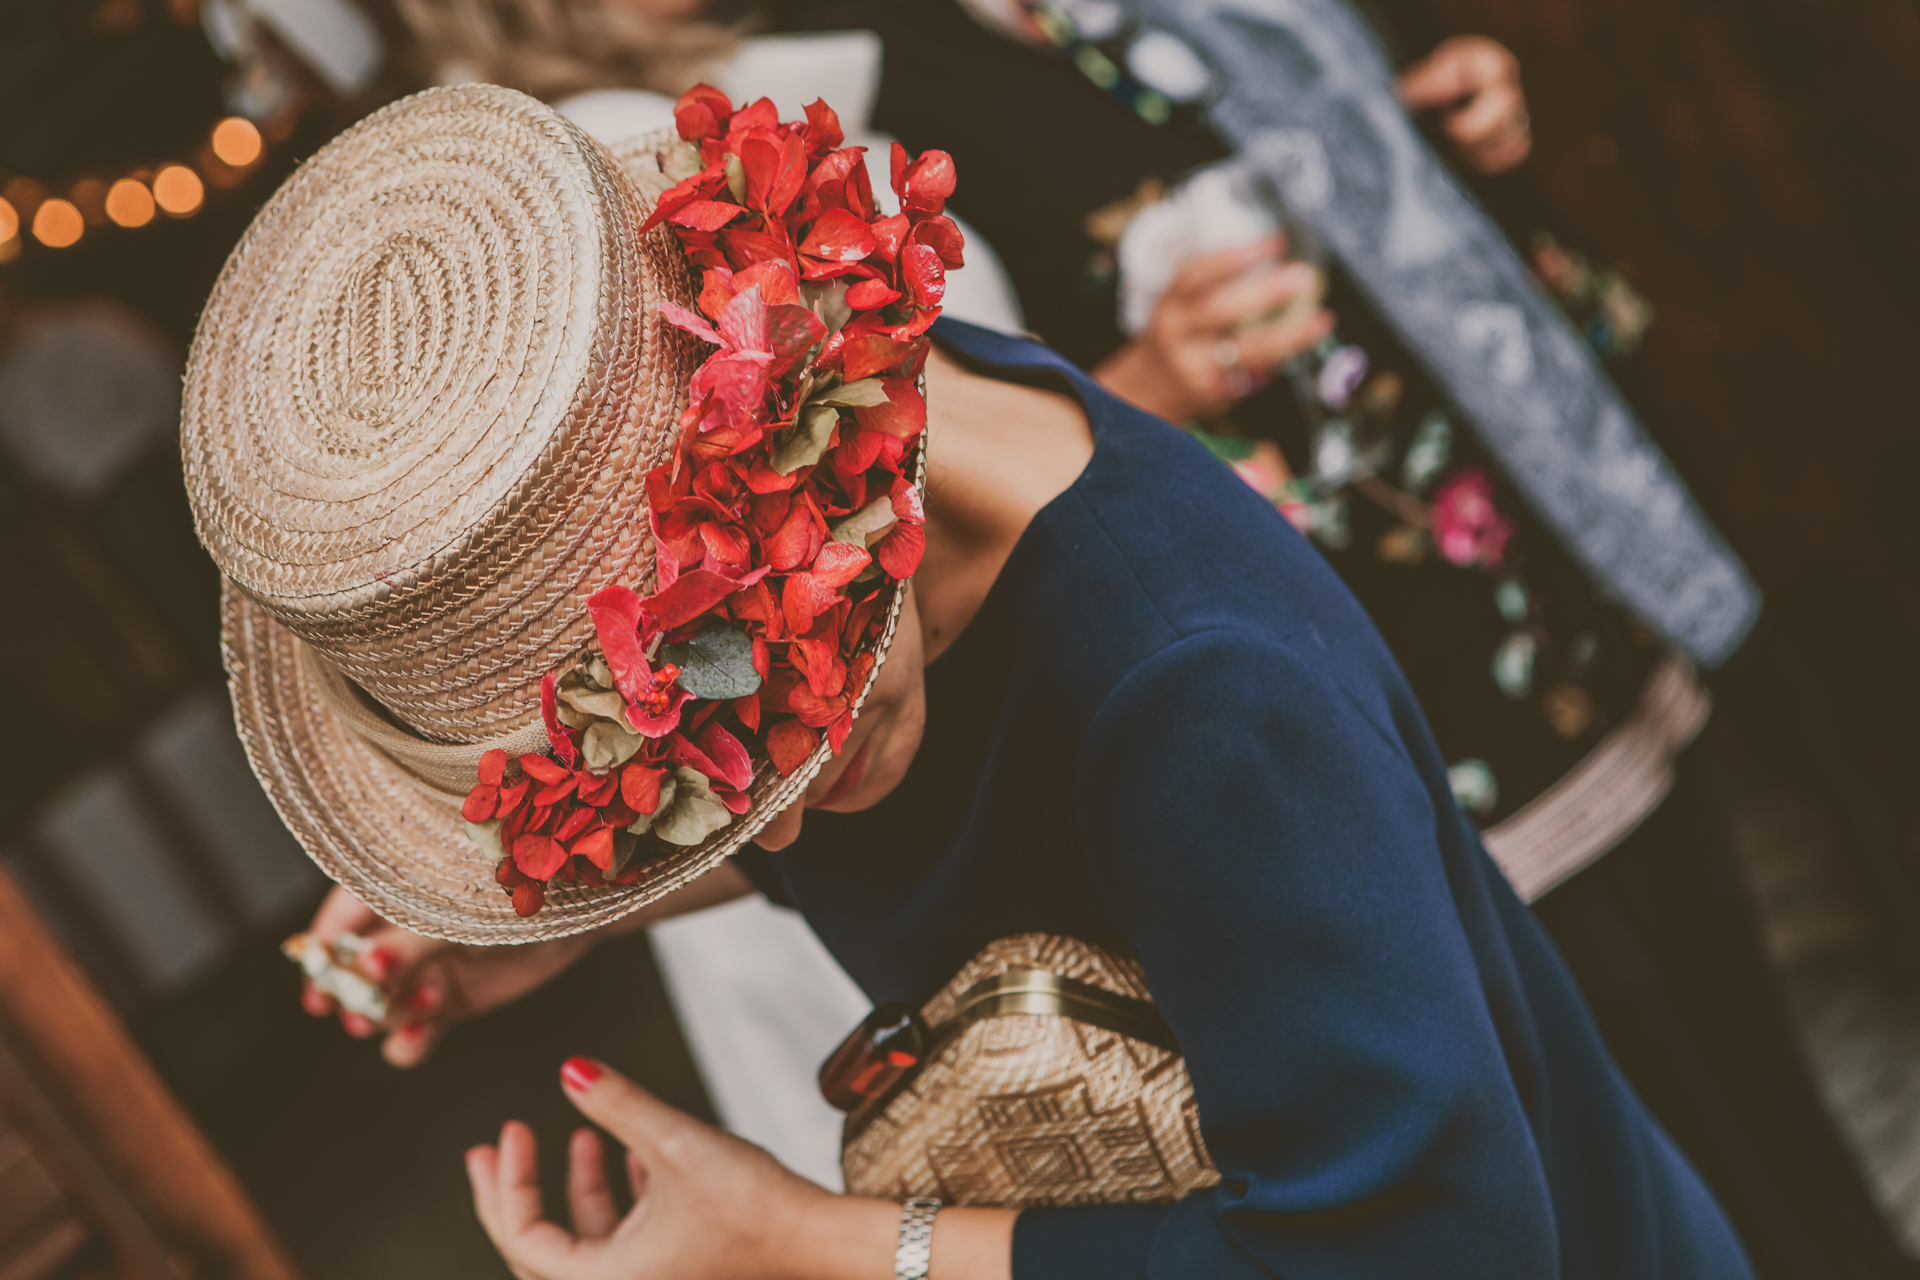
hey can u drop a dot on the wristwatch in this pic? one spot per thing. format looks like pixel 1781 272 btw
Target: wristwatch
pixel 915 1251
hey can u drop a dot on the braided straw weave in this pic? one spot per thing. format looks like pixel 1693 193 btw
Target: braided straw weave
pixel 419 413
pixel 1023 1111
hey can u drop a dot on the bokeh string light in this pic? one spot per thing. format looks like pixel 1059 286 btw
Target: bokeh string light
pixel 57 223
pixel 233 146
pixel 237 142
pixel 178 190
pixel 129 203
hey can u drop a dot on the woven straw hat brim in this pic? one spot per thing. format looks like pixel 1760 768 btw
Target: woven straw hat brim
pixel 392 834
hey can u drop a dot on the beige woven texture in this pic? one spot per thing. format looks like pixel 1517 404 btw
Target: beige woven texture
pixel 419 412
pixel 1028 1111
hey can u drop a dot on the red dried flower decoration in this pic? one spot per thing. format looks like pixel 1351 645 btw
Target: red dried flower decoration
pixel 781 523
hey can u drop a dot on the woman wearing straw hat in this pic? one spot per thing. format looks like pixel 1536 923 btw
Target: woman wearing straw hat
pixel 560 571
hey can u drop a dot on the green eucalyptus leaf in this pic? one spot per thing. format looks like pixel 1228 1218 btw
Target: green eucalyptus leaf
pixel 716 665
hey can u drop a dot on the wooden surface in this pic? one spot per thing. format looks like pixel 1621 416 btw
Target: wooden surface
pixel 123 1110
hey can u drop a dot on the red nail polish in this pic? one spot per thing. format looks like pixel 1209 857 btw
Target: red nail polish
pixel 380 963
pixel 423 1000
pixel 581 1074
pixel 356 1025
pixel 413 1030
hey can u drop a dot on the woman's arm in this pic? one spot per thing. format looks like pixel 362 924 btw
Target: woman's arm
pixel 435 984
pixel 706 1206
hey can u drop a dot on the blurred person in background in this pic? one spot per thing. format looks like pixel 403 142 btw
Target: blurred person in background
pixel 1148 249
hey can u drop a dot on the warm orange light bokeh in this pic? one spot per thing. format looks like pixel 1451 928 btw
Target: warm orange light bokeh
pixel 57 224
pixel 129 203
pixel 236 142
pixel 9 221
pixel 178 190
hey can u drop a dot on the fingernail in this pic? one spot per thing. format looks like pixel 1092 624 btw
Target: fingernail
pixel 413 1030
pixel 423 1000
pixel 356 1025
pixel 581 1074
pixel 380 963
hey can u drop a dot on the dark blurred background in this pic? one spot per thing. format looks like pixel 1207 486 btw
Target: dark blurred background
pixel 1753 166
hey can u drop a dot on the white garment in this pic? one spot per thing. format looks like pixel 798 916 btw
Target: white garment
pixel 761 1001
pixel 762 1004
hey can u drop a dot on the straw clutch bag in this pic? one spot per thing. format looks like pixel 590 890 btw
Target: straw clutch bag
pixel 1041 1076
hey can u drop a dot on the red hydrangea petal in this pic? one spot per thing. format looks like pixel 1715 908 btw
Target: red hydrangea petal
pixel 925 275
pixel 574 823
pixel 618 618
pixel 538 856
pixel 559 737
pixel 596 847
pixel 480 803
pixel 838 236
pixel 823 127
pixel 702 112
pixel 900 551
pixel 693 594
pixel 510 797
pixel 903 416
pixel 543 770
pixel 705 215
pixel 726 752
pixel 839 563
pixel 927 182
pixel 493 767
pixel 837 732
pixel 789 743
pixel 640 787
pixel 869 294
pixel 944 238
pixel 681 318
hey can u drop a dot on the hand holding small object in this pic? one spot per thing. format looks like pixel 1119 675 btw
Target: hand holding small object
pixel 1474 82
pixel 1227 320
pixel 410 989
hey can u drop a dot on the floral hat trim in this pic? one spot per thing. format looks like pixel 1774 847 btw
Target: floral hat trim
pixel 783 521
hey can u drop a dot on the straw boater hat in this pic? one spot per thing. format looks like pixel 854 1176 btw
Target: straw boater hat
pixel 419 412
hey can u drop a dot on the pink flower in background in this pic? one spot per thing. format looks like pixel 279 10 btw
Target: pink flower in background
pixel 1467 528
pixel 1341 376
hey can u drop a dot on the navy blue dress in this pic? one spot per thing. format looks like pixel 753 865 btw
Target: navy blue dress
pixel 1171 731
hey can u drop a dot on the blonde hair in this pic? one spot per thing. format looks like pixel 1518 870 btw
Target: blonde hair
pixel 551 48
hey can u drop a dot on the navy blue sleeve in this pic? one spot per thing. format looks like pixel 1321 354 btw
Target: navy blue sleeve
pixel 1274 855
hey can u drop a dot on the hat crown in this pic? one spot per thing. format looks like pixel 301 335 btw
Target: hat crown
pixel 424 396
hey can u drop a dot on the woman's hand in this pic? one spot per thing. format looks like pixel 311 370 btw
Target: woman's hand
pixel 706 1204
pixel 1207 346
pixel 1475 81
pixel 434 984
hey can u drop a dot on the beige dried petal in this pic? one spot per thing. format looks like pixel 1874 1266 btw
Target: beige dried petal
pixel 603 703
pixel 487 836
pixel 696 812
pixel 606 744
pixel 865 526
pixel 599 672
pixel 807 441
pixel 867 393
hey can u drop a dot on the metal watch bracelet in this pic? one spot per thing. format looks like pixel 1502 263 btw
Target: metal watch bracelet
pixel 914 1254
